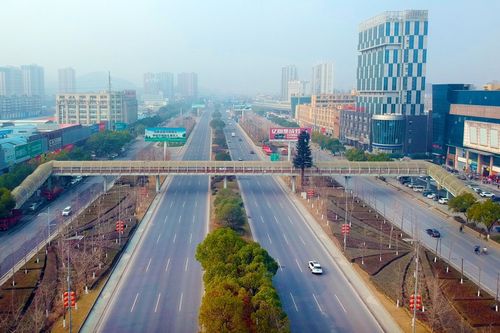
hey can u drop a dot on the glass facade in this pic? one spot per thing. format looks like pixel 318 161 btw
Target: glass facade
pixel 388 132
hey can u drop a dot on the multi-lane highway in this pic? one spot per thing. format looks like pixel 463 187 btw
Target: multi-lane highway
pixel 416 217
pixel 324 303
pixel 161 288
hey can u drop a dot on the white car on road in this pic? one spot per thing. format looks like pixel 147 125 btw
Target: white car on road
pixel 485 194
pixel 315 267
pixel 66 211
pixel 443 201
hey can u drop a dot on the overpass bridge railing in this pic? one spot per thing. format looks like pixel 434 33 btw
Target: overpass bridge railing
pixel 153 168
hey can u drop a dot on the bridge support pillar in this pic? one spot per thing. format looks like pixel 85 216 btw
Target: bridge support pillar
pixel 428 182
pixel 289 150
pixel 293 184
pixel 105 184
pixel 157 183
pixel 225 181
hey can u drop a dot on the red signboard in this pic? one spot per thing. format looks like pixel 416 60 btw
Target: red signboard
pixel 287 134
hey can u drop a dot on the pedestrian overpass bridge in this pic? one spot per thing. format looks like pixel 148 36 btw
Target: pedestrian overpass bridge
pixel 237 168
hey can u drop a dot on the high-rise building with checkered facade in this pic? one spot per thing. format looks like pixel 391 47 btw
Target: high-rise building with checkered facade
pixel 391 75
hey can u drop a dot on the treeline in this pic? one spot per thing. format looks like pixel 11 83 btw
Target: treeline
pixel 219 139
pixel 229 210
pixel 281 121
pixel 355 154
pixel 328 143
pixel 239 295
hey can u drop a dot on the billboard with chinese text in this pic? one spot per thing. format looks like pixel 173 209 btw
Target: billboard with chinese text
pixel 286 133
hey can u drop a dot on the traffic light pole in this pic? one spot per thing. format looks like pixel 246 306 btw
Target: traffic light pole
pixel 69 291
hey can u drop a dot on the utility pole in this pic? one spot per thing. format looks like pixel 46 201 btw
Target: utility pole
pixel 414 323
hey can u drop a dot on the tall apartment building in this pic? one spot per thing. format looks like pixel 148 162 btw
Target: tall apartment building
pixel 391 77
pixel 67 80
pixel 159 84
pixel 187 85
pixel 93 108
pixel 297 88
pixel 288 73
pixel 322 79
pixel 19 107
pixel 33 80
pixel 11 81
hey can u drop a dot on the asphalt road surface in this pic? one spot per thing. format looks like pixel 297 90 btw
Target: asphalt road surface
pixel 313 303
pixel 161 287
pixel 453 245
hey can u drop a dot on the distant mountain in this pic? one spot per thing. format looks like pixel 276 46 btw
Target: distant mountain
pixel 98 81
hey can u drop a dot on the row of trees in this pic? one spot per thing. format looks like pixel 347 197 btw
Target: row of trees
pixel 108 142
pixel 486 213
pixel 229 210
pixel 328 143
pixel 281 121
pixel 355 154
pixel 239 295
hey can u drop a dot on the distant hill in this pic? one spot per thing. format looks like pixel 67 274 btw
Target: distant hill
pixel 97 81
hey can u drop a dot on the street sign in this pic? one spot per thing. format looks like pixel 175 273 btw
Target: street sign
pixel 345 229
pixel 275 157
pixel 310 193
pixel 287 134
pixel 165 134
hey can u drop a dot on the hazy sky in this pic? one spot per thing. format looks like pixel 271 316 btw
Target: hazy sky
pixel 237 46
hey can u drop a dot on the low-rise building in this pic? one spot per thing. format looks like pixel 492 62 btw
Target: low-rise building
pixel 94 108
pixel 323 113
pixel 466 128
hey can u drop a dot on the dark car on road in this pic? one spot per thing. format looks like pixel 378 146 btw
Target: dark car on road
pixel 433 233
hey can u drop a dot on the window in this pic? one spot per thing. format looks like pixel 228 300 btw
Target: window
pixel 483 136
pixel 494 138
pixel 473 135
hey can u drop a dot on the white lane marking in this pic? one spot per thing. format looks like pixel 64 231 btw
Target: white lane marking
pixel 261 219
pixel 317 303
pixel 193 220
pixel 183 203
pixel 149 263
pixel 289 219
pixel 165 221
pixel 268 204
pixel 175 236
pixel 269 238
pixel 276 219
pixel 279 264
pixel 179 219
pixel 294 304
pixel 171 203
pixel 297 262
pixel 281 205
pixel 157 302
pixel 190 238
pixel 186 265
pixel 133 304
pixel 302 240
pixel 338 300
pixel 158 239
pixel 286 239
pixel 180 302
pixel 168 264
pixel 196 203
pixel 255 202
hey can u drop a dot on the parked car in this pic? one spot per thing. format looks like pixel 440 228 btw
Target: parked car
pixel 418 188
pixel 476 189
pixel 315 267
pixel 485 194
pixel 252 152
pixel 34 206
pixel 431 195
pixel 426 193
pixel 443 201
